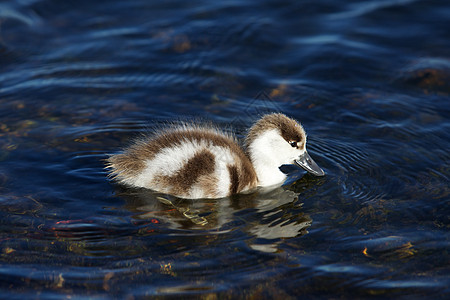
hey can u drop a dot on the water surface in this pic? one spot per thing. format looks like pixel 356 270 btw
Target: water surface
pixel 369 80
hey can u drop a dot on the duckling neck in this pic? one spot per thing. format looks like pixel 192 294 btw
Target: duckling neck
pixel 268 174
pixel 266 160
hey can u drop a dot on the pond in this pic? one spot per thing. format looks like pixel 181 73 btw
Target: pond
pixel 369 81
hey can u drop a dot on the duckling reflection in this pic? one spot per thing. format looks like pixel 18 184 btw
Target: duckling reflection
pixel 266 216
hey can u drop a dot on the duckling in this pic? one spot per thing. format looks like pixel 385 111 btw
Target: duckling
pixel 198 161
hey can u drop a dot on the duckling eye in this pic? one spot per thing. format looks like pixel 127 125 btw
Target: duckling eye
pixel 293 144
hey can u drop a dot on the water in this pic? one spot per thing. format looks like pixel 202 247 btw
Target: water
pixel 369 80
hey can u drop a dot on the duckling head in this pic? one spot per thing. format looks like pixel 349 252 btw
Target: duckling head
pixel 277 140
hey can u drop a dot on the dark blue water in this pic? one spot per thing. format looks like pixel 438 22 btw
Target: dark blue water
pixel 369 80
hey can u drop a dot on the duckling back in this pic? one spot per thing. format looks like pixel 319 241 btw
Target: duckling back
pixel 187 162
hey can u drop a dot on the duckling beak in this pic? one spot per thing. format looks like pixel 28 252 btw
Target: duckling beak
pixel 306 162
